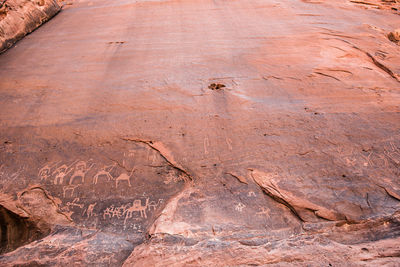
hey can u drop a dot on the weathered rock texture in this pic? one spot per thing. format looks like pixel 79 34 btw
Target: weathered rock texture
pixel 20 17
pixel 203 133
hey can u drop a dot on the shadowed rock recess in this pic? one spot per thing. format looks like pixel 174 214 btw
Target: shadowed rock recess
pixel 200 133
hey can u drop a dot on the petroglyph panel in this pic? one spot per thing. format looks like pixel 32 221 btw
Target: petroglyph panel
pixel 111 188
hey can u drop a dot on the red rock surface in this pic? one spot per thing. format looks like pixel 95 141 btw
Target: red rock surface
pixel 20 17
pixel 203 133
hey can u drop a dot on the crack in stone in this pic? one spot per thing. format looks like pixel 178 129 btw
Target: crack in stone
pixel 239 178
pixel 295 203
pixel 376 62
pixel 390 193
pixel 280 199
pixel 167 158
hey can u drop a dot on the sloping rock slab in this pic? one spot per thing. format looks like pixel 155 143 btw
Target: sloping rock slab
pixel 66 245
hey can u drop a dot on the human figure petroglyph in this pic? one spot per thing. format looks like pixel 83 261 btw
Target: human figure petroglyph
pixel 113 211
pixel 239 207
pixel 124 177
pixel 105 171
pixel 136 207
pixel 350 162
pixel 89 211
pixel 251 194
pixel 80 171
pixel 75 203
pixel 108 212
pixel 69 188
pixel 154 204
pixel 263 211
pixel 118 212
pixel 61 172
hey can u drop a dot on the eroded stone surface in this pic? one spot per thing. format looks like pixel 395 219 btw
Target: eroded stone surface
pixel 20 17
pixel 205 133
pixel 65 246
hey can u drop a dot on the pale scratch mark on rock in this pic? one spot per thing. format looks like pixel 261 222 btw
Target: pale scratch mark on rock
pixel 206 144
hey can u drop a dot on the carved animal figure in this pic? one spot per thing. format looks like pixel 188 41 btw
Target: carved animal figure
pixel 80 172
pixel 44 173
pixel 136 207
pixel 61 172
pixel 104 172
pixel 131 153
pixel 69 188
pixel 154 204
pixel 124 177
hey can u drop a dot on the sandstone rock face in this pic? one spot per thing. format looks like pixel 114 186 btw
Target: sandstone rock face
pixel 394 36
pixel 203 133
pixel 20 17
